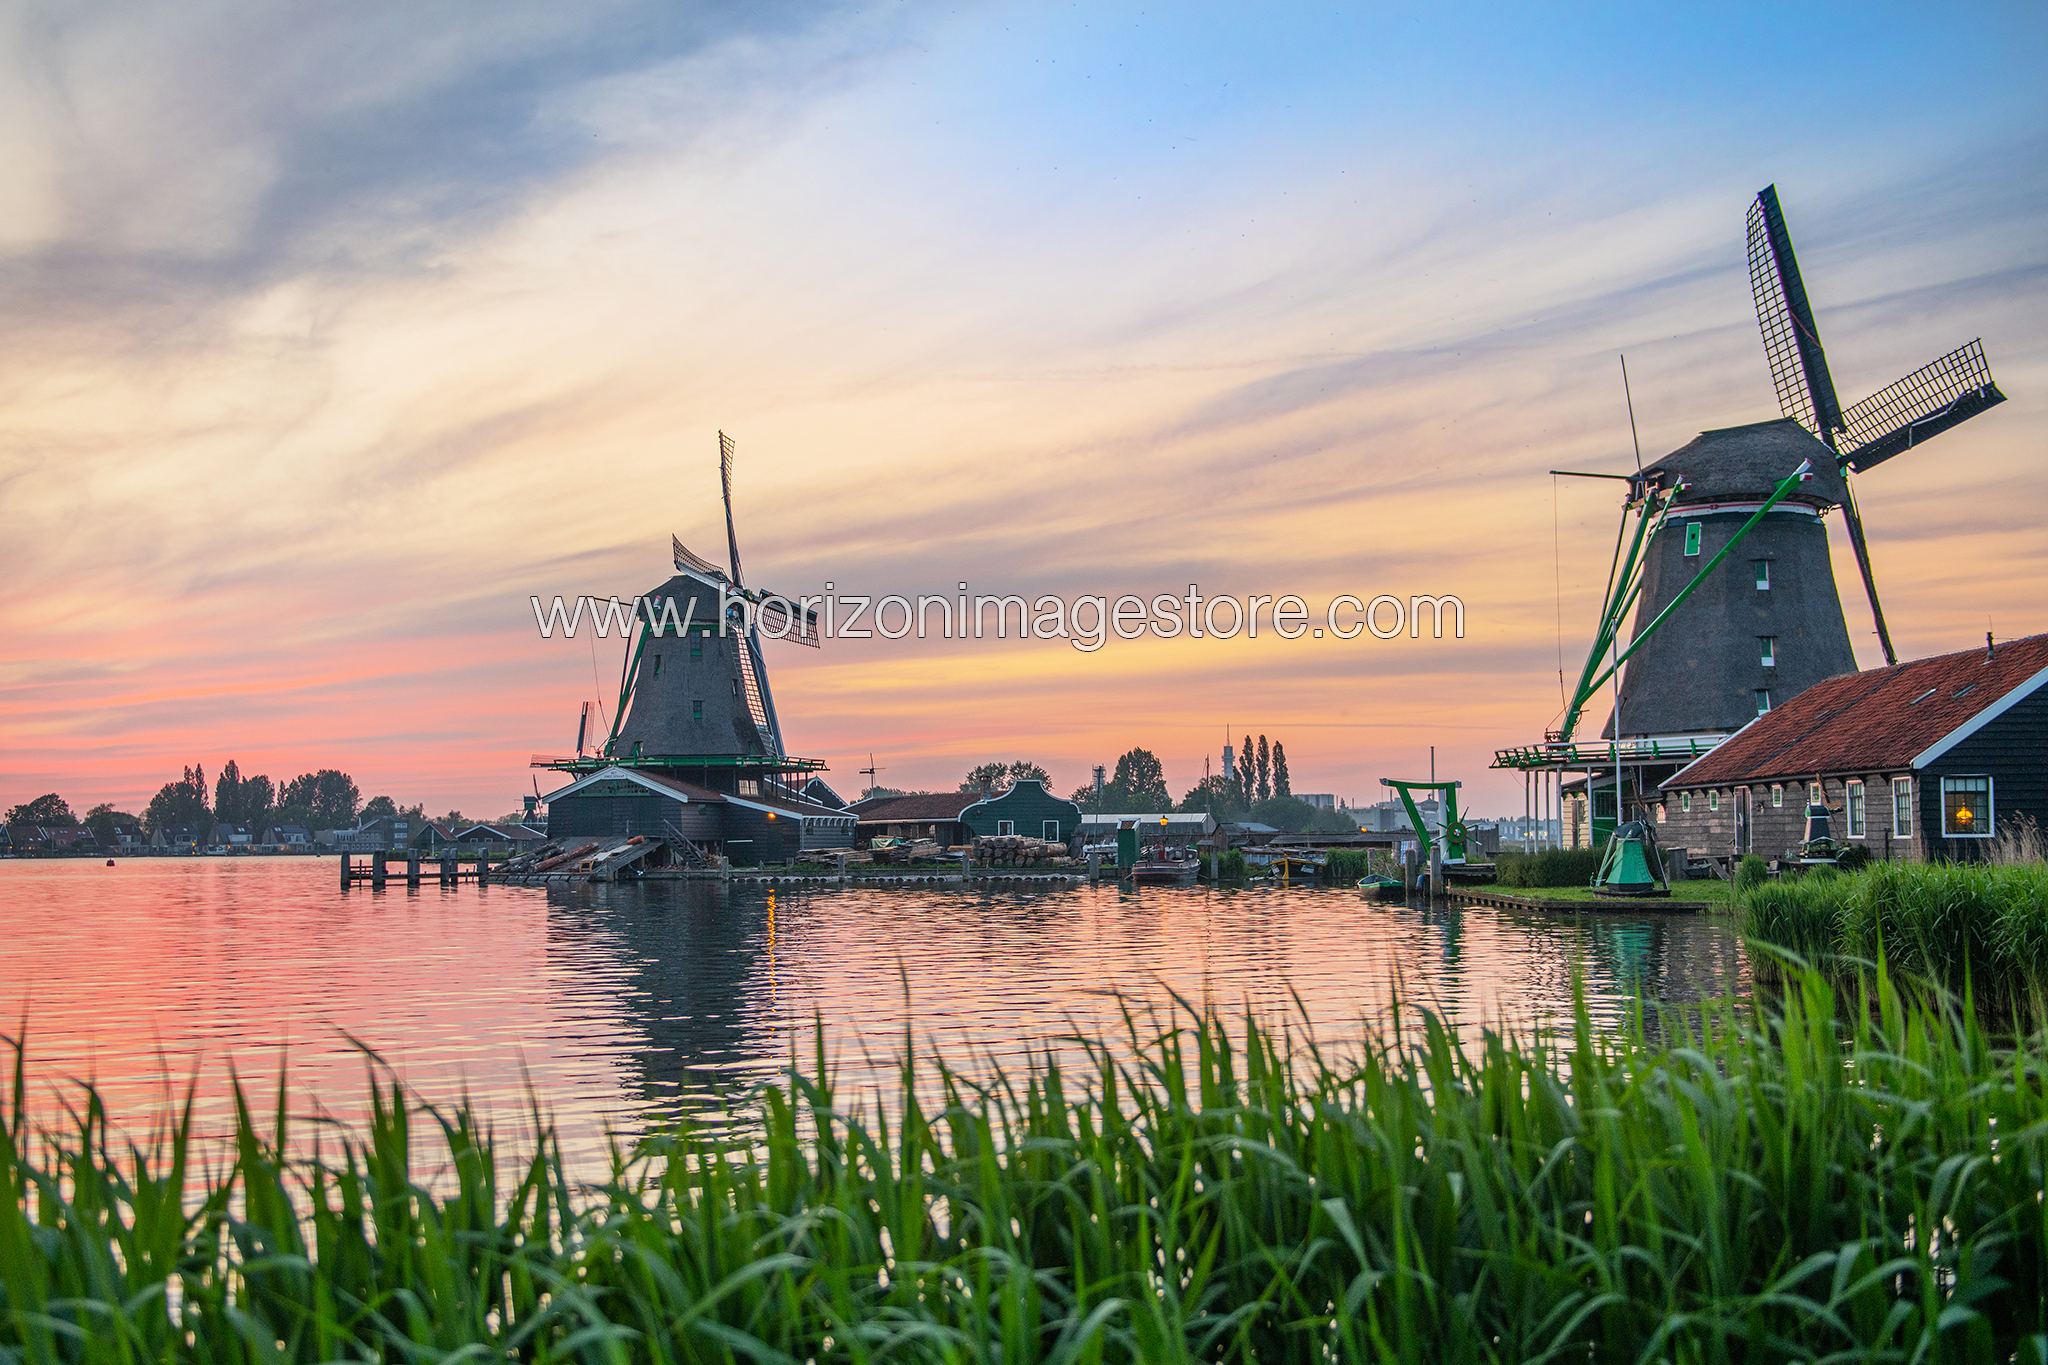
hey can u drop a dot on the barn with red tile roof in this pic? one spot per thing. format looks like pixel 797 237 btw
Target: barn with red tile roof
pixel 1925 759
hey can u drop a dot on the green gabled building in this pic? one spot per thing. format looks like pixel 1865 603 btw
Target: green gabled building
pixel 1027 809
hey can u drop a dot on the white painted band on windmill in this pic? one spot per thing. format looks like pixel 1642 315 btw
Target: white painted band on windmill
pixel 1690 511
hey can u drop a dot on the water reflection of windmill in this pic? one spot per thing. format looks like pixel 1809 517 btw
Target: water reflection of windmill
pixel 1895 419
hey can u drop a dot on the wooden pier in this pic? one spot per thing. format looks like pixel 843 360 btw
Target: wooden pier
pixel 447 870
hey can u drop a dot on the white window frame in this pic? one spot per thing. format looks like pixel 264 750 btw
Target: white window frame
pixel 1763 701
pixel 1763 575
pixel 1770 650
pixel 1685 802
pixel 1052 831
pixel 1777 794
pixel 1902 808
pixel 1006 828
pixel 1816 794
pixel 1855 819
pixel 1990 805
pixel 1714 799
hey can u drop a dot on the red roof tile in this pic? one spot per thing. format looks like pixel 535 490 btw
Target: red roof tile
pixel 1863 722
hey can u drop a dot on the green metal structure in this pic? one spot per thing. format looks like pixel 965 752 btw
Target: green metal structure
pixel 1453 827
pixel 1631 865
pixel 1625 583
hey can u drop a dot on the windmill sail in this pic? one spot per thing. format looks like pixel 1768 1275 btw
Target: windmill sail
pixel 686 562
pixel 1925 403
pixel 1799 365
pixel 732 539
pixel 781 618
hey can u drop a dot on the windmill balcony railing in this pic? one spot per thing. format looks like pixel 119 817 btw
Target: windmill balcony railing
pixel 1556 753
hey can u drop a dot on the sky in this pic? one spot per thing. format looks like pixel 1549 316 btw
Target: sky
pixel 329 338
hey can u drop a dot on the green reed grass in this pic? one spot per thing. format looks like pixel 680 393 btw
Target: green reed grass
pixel 1954 923
pixel 1787 1185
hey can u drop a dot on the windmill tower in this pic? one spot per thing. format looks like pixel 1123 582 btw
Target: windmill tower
pixel 695 698
pixel 1768 622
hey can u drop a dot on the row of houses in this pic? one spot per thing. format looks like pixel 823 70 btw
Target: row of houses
pixel 388 834
pixel 1927 759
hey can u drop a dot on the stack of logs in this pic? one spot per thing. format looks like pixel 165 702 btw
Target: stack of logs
pixel 1014 850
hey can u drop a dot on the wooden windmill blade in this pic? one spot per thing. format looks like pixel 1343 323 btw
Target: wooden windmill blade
pixel 782 619
pixel 689 562
pixel 1799 366
pixel 732 539
pixel 1924 404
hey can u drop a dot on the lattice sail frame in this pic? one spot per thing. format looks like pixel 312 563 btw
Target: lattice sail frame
pixel 1925 403
pixel 1774 317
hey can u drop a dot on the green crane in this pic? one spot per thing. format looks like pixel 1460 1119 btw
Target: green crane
pixel 1453 827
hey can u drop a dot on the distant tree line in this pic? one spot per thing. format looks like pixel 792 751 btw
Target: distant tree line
pixel 326 799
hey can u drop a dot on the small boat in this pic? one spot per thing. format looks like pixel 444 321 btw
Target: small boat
pixel 1164 871
pixel 1296 867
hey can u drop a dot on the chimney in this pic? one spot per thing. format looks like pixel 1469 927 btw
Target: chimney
pixel 1990 647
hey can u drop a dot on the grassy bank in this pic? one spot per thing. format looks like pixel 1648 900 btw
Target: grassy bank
pixel 1763 1190
pixel 1978 924
pixel 1716 893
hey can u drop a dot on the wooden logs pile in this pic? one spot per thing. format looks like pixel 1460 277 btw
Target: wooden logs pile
pixel 1014 850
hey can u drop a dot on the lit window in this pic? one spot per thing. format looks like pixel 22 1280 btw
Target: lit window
pixel 1777 794
pixel 1902 807
pixel 1853 809
pixel 1660 812
pixel 1713 800
pixel 1769 649
pixel 1966 807
pixel 1685 802
pixel 1763 700
pixel 1763 575
pixel 1692 537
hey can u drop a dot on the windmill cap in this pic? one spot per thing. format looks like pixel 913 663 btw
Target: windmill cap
pixel 1745 464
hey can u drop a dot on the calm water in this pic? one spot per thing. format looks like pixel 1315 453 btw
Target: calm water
pixel 626 1004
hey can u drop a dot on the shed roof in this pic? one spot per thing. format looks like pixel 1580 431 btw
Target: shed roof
pixel 902 809
pixel 1732 464
pixel 1886 718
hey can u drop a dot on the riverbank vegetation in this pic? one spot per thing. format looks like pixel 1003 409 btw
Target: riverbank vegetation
pixel 1827 1177
pixel 1980 925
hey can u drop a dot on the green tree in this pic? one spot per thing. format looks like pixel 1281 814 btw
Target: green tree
pixel 1139 784
pixel 181 803
pixel 1214 795
pixel 102 818
pixel 377 808
pixel 1265 782
pixel 1281 786
pixel 48 809
pixel 1327 821
pixel 327 799
pixel 1288 813
pixel 995 778
pixel 227 794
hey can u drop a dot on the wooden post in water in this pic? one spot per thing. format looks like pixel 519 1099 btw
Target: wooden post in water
pixel 448 875
pixel 483 866
pixel 377 869
pixel 346 881
pixel 1407 870
pixel 412 867
pixel 1215 863
pixel 1436 871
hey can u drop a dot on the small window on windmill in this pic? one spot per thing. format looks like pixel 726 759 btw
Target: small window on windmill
pixel 697 644
pixel 1763 700
pixel 735 687
pixel 657 665
pixel 1692 538
pixel 1770 650
pixel 1763 575
pixel 696 710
